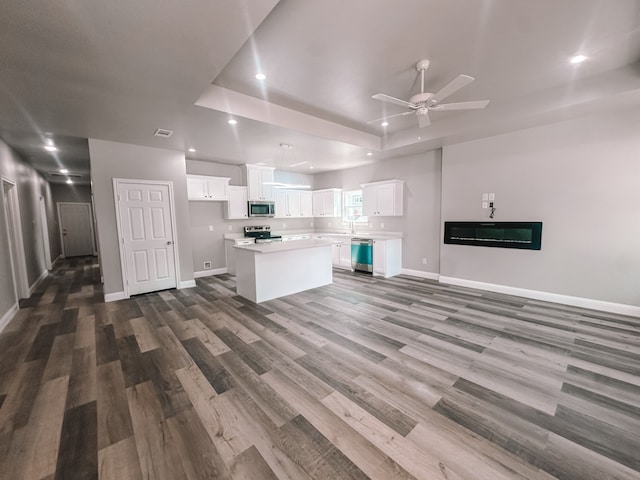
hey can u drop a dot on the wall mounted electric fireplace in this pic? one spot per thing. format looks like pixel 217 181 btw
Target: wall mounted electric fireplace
pixel 523 235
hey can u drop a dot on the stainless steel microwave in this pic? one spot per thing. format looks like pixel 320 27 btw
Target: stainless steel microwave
pixel 262 208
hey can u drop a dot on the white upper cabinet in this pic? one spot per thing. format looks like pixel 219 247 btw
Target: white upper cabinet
pixel 306 203
pixel 237 208
pixel 327 203
pixel 293 203
pixel 203 187
pixel 259 182
pixel 382 199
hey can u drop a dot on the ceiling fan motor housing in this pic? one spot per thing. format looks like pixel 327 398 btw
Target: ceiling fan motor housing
pixel 421 98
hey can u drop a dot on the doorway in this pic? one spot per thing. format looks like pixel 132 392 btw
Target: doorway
pixel 76 229
pixel 146 225
pixel 14 233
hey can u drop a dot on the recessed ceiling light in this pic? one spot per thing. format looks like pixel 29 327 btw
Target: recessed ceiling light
pixel 69 181
pixel 231 121
pixel 260 76
pixel 578 59
pixel 311 167
pixel 369 154
pixel 384 124
pixel 192 150
pixel 50 148
pixel 64 170
pixel 261 163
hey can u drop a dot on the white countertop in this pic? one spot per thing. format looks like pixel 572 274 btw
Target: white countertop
pixel 274 247
pixel 378 235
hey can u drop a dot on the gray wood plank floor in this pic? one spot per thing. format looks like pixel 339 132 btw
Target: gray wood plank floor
pixel 365 378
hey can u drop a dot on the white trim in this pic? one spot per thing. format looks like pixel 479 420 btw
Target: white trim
pixel 420 274
pixel 58 258
pixel 7 317
pixel 207 273
pixel 44 227
pixel 35 285
pixel 187 284
pixel 174 229
pixel 112 297
pixel 16 241
pixel 611 307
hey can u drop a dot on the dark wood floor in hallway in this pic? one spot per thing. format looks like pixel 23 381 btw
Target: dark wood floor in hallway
pixel 366 378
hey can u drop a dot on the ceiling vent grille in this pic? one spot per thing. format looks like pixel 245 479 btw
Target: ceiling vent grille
pixel 163 132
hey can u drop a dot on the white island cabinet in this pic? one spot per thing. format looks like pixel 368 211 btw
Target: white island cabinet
pixel 272 270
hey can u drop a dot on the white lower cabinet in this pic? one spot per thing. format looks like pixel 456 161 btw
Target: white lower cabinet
pixel 387 257
pixel 341 254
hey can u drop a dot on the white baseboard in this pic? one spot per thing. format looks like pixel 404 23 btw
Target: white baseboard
pixel 112 297
pixel 187 284
pixel 8 316
pixel 206 273
pixel 58 258
pixel 35 284
pixel 611 307
pixel 420 274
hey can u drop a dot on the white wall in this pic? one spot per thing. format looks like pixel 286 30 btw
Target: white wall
pixel 420 223
pixel 111 160
pixel 30 187
pixel 581 178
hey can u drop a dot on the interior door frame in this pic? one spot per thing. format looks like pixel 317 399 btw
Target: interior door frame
pixel 93 235
pixel 174 230
pixel 16 242
pixel 44 226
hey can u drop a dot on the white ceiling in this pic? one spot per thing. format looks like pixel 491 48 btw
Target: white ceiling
pixel 118 70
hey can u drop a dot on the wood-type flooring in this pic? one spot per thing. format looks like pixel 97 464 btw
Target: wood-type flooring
pixel 365 378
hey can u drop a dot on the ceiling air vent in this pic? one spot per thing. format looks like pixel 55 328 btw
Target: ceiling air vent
pixel 65 175
pixel 163 132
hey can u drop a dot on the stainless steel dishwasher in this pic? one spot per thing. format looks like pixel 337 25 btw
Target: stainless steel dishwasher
pixel 362 254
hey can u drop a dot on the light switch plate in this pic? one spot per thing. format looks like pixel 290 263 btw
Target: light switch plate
pixel 485 197
pixel 485 204
pixel 492 197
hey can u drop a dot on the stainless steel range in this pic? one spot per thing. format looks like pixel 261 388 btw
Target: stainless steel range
pixel 262 234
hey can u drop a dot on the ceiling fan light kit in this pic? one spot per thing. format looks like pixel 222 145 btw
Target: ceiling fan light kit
pixel 421 103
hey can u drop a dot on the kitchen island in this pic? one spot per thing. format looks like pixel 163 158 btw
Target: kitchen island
pixel 272 270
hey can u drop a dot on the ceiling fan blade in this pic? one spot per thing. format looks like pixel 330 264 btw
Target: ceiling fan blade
pixel 391 116
pixel 386 98
pixel 423 120
pixel 461 105
pixel 452 87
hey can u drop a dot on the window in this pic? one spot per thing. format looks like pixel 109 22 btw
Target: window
pixel 353 207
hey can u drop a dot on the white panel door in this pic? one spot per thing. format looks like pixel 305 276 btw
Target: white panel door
pixel 147 237
pixel 76 228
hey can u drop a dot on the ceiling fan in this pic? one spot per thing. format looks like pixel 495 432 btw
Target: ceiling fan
pixel 422 102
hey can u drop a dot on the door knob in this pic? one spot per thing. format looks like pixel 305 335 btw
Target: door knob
pixel 169 242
